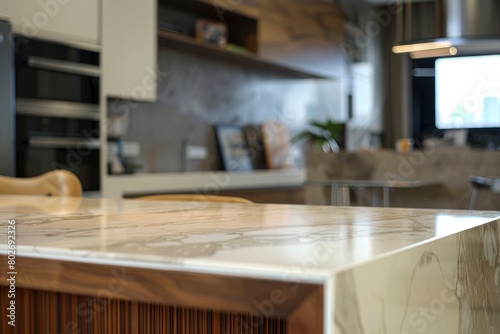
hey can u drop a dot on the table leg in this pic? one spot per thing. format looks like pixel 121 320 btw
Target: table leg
pixel 346 198
pixel 375 196
pixel 386 196
pixel 473 199
pixel 333 194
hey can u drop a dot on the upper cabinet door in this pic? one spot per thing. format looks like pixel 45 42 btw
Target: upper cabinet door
pixel 65 21
pixel 129 49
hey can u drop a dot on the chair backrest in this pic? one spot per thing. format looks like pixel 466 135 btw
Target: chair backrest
pixel 53 183
pixel 196 198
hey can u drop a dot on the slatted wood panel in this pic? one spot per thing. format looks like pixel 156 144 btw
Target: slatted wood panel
pixel 55 313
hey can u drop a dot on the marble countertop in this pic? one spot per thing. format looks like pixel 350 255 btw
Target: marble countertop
pixel 250 240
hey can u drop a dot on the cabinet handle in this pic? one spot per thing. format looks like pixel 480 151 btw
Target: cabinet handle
pixel 63 142
pixel 63 66
pixel 61 109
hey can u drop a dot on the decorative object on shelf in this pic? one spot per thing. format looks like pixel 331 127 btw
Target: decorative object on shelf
pixel 277 145
pixel 213 32
pixel 232 148
pixel 237 49
pixel 253 135
pixel 323 137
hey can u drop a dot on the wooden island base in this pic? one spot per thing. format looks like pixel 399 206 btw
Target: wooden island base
pixel 52 312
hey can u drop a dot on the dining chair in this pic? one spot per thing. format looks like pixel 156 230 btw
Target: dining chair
pixel 481 182
pixel 196 198
pixel 53 183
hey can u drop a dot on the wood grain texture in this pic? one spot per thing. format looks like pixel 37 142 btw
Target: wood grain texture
pixel 53 183
pixel 51 312
pixel 215 292
pixel 195 198
pixel 290 195
pixel 308 316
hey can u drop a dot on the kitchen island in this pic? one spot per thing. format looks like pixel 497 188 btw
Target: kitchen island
pixel 131 266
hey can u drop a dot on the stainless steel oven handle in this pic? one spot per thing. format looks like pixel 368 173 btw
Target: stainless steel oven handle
pixel 63 66
pixel 64 142
pixel 61 109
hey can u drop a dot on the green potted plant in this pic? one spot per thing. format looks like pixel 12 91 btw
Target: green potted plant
pixel 322 137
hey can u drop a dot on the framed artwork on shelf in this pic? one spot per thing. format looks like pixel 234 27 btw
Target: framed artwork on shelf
pixel 276 145
pixel 253 136
pixel 233 148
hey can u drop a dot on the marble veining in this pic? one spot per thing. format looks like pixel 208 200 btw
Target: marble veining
pixel 384 270
pixel 308 241
pixel 447 286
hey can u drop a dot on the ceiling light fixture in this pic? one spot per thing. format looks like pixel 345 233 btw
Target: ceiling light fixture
pixel 416 47
pixel 443 52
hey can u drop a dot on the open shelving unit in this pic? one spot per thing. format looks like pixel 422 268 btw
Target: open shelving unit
pixel 179 36
pixel 242 28
pixel 249 60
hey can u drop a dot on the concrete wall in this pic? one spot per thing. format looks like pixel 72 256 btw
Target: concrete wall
pixel 198 92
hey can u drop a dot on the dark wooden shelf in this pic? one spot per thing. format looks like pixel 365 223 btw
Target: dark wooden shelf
pixel 217 10
pixel 188 44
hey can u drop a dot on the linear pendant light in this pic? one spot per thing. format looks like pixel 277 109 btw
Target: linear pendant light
pixel 416 47
pixel 442 52
pixel 470 27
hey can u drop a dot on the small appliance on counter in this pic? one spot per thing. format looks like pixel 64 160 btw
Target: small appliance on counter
pixel 123 156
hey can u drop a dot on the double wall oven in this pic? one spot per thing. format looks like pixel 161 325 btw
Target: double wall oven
pixel 57 110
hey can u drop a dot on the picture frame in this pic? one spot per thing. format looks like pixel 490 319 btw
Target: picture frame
pixel 255 144
pixel 233 149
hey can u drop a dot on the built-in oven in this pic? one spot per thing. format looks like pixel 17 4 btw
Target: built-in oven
pixel 57 110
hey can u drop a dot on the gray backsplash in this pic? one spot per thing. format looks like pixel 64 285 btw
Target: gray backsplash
pixel 199 93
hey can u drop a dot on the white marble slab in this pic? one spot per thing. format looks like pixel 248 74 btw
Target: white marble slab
pixel 383 270
pixel 451 285
pixel 270 240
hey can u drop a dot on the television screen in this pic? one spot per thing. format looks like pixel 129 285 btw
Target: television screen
pixel 468 92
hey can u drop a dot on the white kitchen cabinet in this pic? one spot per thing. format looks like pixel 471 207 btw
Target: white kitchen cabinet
pixel 129 49
pixel 74 22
